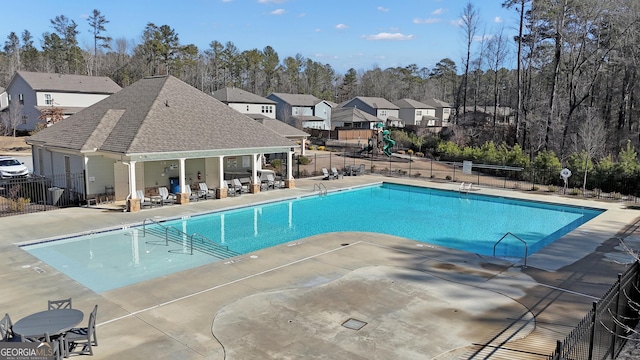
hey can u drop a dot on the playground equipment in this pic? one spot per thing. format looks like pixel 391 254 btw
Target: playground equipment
pixel 380 141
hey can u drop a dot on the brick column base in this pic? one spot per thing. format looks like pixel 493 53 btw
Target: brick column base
pixel 290 183
pixel 182 198
pixel 221 193
pixel 133 205
pixel 254 188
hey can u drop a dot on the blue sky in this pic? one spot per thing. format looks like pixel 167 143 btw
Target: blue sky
pixel 359 34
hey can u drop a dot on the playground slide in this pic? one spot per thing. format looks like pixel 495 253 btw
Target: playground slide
pixel 388 142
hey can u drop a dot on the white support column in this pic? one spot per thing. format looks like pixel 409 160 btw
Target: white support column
pixel 182 175
pixel 302 147
pixel 254 169
pixel 290 165
pixel 221 171
pixel 132 179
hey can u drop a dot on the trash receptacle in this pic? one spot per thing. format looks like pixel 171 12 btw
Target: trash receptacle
pixel 55 196
pixel 174 185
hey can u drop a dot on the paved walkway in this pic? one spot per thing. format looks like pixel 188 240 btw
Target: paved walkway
pixel 416 301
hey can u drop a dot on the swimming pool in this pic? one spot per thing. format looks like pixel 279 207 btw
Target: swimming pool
pixel 469 222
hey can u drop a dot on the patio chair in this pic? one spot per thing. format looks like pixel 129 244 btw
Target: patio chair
pixel 242 184
pixel 360 170
pixel 192 196
pixel 144 201
pixel 326 175
pixel 165 196
pixel 6 329
pixel 205 192
pixel 335 173
pixel 59 304
pixel 80 341
pixel 466 187
pixel 57 347
pixel 267 181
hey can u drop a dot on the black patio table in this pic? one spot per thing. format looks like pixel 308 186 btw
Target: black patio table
pixel 53 322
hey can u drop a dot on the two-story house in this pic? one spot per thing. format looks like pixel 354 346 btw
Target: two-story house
pixel 381 108
pixel 71 93
pixel 443 110
pixel 413 112
pixel 247 103
pixel 351 117
pixel 301 110
pixel 262 110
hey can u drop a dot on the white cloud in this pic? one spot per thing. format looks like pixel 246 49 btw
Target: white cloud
pixel 383 9
pixel 341 26
pixel 426 21
pixel 481 38
pixel 325 56
pixel 438 11
pixel 497 19
pixel 277 12
pixel 84 16
pixel 271 1
pixel 317 30
pixel 302 15
pixel 227 0
pixel 457 22
pixel 388 36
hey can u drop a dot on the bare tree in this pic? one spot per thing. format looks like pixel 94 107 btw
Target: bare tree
pixel 591 138
pixel 97 21
pixel 13 118
pixel 469 20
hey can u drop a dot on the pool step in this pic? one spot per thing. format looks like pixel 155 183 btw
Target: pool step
pixel 201 244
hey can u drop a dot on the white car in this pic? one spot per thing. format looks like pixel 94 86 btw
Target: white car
pixel 10 167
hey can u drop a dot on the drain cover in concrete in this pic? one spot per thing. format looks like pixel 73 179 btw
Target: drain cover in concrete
pixel 354 324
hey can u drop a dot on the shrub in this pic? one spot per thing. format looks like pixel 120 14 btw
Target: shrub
pixel 410 152
pixel 419 154
pixel 373 168
pixel 448 177
pixel 19 205
pixel 303 160
pixel 552 188
pixel 534 188
pixel 417 175
pixel 575 191
pixel 321 148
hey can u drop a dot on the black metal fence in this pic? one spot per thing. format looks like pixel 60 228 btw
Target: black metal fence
pixel 38 193
pixel 604 331
pixel 532 179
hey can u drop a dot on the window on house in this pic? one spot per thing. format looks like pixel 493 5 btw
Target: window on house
pixel 383 112
pixel 418 112
pixel 48 100
pixel 247 108
pixel 24 119
pixel 270 109
pixel 445 111
pixel 21 98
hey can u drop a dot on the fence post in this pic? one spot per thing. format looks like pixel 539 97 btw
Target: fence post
pixel 617 315
pixel 409 164
pixel 315 163
pixel 558 350
pixel 454 172
pixel 592 336
pixel 431 175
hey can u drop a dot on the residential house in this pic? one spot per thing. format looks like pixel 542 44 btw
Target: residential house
pixel 443 110
pixel 281 128
pixel 71 93
pixel 154 132
pixel 253 105
pixel 413 112
pixel 351 117
pixel 4 98
pixel 381 108
pixel 303 111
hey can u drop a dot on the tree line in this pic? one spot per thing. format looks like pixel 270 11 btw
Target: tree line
pixel 573 88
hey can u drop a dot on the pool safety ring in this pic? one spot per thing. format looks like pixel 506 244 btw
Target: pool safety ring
pixel 565 173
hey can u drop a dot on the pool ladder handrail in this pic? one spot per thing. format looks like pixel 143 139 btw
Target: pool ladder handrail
pixel 182 233
pixel 321 188
pixel 526 247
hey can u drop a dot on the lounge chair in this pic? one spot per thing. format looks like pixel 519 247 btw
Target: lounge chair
pixel 326 175
pixel 267 181
pixel 242 184
pixel 165 196
pixel 81 340
pixel 144 201
pixel 205 192
pixel 192 196
pixel 466 187
pixel 335 173
pixel 231 189
pixel 59 304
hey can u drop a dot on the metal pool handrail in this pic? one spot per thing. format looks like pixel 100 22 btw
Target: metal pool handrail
pixel 320 187
pixel 179 232
pixel 526 247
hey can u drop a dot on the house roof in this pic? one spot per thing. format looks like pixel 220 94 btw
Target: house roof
pixel 352 115
pixel 69 83
pixel 377 102
pixel 411 104
pixel 297 99
pixel 159 115
pixel 308 118
pixel 282 128
pixel 235 95
pixel 437 103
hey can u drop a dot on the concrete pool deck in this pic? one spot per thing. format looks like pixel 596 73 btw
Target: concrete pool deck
pixel 287 302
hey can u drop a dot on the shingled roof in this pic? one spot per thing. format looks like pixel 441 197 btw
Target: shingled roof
pixel 159 115
pixel 235 95
pixel 350 114
pixel 377 102
pixel 411 104
pixel 69 83
pixel 297 99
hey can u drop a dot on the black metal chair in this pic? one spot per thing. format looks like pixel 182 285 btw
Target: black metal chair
pixel 6 329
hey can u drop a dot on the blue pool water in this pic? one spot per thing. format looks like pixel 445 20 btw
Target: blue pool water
pixel 468 222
